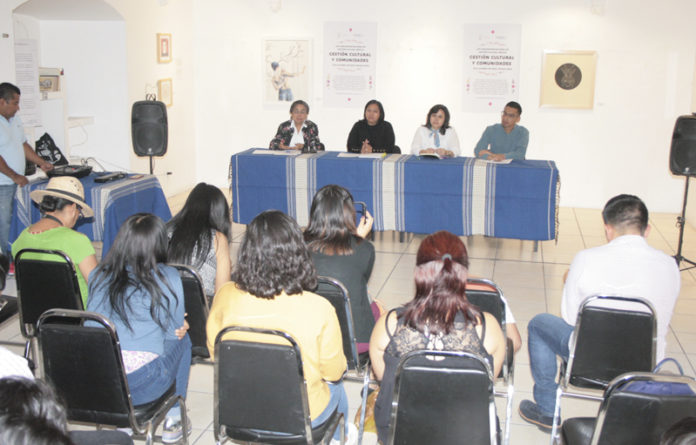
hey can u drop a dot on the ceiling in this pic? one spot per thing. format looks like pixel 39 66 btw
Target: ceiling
pixel 68 10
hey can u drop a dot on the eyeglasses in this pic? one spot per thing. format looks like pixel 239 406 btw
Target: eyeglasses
pixel 79 209
pixel 512 115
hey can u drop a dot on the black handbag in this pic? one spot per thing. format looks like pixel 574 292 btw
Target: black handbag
pixel 47 149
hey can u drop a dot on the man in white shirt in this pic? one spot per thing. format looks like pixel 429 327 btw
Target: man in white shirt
pixel 626 266
pixel 14 151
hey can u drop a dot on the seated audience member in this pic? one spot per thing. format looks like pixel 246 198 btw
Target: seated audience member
pixel 510 324
pixel 439 317
pixel 298 133
pixel 269 290
pixel 32 414
pixel 144 299
pixel 61 204
pixel 681 433
pixel 372 134
pixel 339 250
pixel 436 136
pixel 199 236
pixel 626 266
pixel 506 140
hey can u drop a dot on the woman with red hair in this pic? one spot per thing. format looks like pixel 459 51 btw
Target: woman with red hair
pixel 438 318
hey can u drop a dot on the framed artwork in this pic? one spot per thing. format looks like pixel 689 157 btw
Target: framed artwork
pixel 164 48
pixel 164 90
pixel 49 83
pixel 286 68
pixel 568 79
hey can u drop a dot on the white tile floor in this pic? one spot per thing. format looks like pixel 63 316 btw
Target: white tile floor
pixel 532 282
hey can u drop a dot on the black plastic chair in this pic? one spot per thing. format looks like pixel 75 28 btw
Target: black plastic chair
pixel 8 303
pixel 628 417
pixel 42 284
pixel 197 311
pixel 261 392
pixel 606 343
pixel 84 365
pixel 443 397
pixel 490 301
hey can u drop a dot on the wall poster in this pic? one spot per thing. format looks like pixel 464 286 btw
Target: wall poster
pixel 350 62
pixel 491 66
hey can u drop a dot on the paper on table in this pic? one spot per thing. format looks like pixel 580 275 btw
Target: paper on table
pixel 504 161
pixel 362 155
pixel 277 152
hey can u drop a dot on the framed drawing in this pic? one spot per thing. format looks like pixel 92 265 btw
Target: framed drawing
pixel 164 48
pixel 568 79
pixel 164 90
pixel 286 68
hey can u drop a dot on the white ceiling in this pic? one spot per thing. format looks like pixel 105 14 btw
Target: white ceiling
pixel 68 10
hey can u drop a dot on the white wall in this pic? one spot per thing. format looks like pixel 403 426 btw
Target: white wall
pixel 95 85
pixel 644 81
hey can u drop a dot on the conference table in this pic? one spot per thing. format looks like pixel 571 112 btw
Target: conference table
pixel 405 193
pixel 113 202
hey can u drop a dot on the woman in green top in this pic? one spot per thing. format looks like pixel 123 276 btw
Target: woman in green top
pixel 61 204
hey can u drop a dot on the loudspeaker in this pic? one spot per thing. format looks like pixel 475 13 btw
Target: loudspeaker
pixel 149 128
pixel 682 156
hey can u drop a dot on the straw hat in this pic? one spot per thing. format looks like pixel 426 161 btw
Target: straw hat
pixel 65 187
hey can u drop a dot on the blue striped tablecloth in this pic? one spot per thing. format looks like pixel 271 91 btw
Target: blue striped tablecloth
pixel 406 193
pixel 113 202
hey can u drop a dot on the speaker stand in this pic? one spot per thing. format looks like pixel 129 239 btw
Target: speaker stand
pixel 152 169
pixel 681 220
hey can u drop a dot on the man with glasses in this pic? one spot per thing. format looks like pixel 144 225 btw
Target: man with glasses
pixel 505 140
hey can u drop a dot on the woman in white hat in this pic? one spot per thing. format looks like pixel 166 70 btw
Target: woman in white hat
pixel 61 204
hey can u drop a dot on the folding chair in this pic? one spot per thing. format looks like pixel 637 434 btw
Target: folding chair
pixel 486 295
pixel 46 279
pixel 630 417
pixel 261 392
pixel 443 397
pixel 606 343
pixel 84 365
pixel 197 311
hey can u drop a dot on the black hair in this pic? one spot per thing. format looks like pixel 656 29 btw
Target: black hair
pixel 435 109
pixel 18 430
pixel 131 265
pixel 274 258
pixel 381 110
pixel 515 105
pixel 32 398
pixel 626 212
pixel 331 228
pixel 53 204
pixel 299 102
pixel 8 91
pixel 206 210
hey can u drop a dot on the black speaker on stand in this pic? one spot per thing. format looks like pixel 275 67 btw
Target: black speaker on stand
pixel 682 161
pixel 149 129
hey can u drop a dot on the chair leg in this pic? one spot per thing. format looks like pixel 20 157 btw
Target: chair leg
pixel 508 414
pixel 556 416
pixel 184 419
pixel 363 404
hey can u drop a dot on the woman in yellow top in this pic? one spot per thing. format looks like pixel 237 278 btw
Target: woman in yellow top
pixel 269 290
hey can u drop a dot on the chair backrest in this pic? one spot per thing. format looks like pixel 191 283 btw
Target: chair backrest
pixel 83 363
pixel 337 294
pixel 46 279
pixel 608 342
pixel 443 397
pixel 485 295
pixel 627 416
pixel 259 384
pixel 197 309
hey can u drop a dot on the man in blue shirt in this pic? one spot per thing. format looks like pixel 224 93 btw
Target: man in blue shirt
pixel 14 151
pixel 506 140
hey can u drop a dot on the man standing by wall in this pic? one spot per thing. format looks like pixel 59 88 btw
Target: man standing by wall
pixel 626 266
pixel 14 151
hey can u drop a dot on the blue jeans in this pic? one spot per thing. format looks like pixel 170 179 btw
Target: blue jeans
pixel 338 398
pixel 149 382
pixel 285 94
pixel 7 194
pixel 548 337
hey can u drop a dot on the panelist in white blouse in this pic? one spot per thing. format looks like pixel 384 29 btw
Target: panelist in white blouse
pixel 436 136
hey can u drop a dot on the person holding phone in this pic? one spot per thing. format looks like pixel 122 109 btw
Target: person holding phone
pixel 339 250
